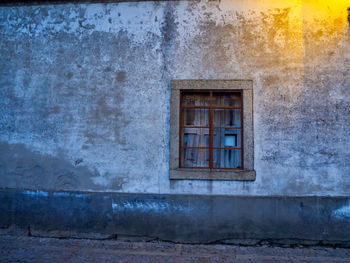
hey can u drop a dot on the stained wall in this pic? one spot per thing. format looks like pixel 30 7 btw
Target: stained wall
pixel 85 92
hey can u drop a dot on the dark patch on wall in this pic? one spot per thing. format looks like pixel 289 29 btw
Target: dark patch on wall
pixel 82 24
pixel 121 76
pixel 78 161
pixel 108 69
pixel 169 26
pixel 69 75
pixel 53 110
pixel 23 168
pixel 169 34
pixel 117 183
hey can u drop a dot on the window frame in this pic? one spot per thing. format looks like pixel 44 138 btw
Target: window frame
pixel 247 173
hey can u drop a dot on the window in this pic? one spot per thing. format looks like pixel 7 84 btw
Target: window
pixel 211 135
pixel 211 129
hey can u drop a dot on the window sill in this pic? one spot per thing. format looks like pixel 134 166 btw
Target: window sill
pixel 217 175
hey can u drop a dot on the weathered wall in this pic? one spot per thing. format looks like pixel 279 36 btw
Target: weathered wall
pixel 179 218
pixel 84 92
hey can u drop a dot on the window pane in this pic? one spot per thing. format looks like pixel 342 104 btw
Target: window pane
pixel 195 158
pixel 195 137
pixel 227 159
pixel 196 117
pixel 227 138
pixel 227 118
pixel 227 99
pixel 195 99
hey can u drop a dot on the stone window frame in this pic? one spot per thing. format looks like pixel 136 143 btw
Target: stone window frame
pixel 246 174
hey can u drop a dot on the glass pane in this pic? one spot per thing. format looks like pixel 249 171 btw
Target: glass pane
pixel 227 98
pixel 227 159
pixel 195 158
pixel 195 99
pixel 227 118
pixel 196 117
pixel 230 140
pixel 227 138
pixel 195 137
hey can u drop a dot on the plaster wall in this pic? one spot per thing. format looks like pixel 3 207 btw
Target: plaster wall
pixel 85 92
pixel 178 218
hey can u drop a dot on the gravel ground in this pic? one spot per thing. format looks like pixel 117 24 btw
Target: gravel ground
pixel 34 249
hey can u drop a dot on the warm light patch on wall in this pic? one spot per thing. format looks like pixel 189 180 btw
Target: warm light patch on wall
pixel 325 27
pixel 334 12
pixel 285 34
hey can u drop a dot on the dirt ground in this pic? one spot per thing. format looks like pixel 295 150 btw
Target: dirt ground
pixel 34 249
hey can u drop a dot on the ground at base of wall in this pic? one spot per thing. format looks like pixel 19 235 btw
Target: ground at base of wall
pixel 34 249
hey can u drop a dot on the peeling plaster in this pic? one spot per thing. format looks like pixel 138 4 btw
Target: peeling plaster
pixel 342 212
pixel 149 206
pixel 36 193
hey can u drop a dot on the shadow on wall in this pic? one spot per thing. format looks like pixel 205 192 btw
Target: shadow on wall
pixel 22 168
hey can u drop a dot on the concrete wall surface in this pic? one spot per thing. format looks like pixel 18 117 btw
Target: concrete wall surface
pixel 85 93
pixel 177 218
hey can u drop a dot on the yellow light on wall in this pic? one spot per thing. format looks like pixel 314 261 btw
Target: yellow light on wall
pixel 332 11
